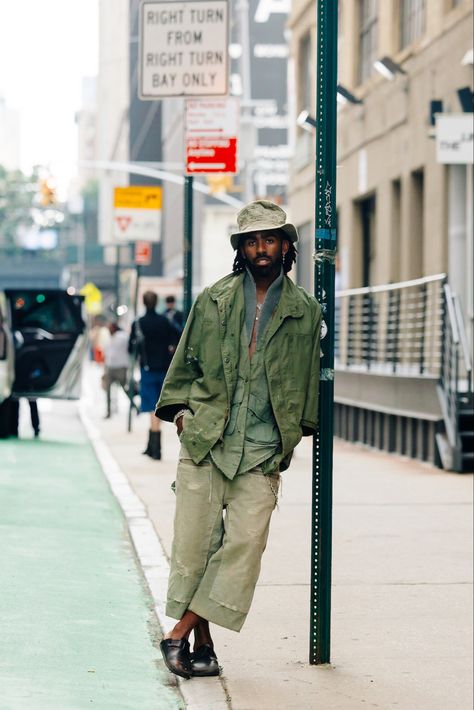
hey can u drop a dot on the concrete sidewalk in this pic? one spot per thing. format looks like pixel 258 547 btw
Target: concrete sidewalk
pixel 402 574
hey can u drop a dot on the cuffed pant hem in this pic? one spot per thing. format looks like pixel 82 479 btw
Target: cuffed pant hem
pixel 175 610
pixel 211 611
pixel 217 614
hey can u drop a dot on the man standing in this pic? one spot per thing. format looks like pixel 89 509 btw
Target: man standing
pixel 154 339
pixel 242 390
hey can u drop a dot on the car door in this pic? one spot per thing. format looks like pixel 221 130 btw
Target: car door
pixel 50 341
pixel 7 372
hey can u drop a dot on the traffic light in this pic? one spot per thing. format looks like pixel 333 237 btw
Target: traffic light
pixel 47 192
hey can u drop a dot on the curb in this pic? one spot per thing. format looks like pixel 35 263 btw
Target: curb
pixel 206 693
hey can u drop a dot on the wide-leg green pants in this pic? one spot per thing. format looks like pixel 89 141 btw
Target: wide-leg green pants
pixel 220 532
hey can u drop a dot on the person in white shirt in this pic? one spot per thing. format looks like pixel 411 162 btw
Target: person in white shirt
pixel 116 362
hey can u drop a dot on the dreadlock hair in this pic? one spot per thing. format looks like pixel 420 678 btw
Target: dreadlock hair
pixel 240 262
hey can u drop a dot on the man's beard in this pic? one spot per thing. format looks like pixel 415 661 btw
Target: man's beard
pixel 270 268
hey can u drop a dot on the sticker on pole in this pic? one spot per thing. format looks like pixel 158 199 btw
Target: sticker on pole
pixel 137 213
pixel 183 49
pixel 211 136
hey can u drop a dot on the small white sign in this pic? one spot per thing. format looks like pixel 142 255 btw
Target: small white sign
pixel 183 49
pixel 454 138
pixel 132 225
pixel 212 117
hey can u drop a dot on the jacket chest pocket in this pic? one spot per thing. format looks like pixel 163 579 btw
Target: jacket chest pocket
pixel 295 360
pixel 295 346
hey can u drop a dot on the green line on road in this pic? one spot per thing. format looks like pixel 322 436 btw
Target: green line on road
pixel 77 627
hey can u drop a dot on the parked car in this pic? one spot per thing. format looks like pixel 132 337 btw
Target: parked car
pixel 43 340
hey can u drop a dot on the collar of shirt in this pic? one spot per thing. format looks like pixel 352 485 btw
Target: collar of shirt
pixel 271 301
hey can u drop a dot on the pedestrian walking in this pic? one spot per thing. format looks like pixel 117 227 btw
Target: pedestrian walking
pixel 116 360
pixel 242 390
pixel 99 337
pixel 171 312
pixel 15 416
pixel 154 340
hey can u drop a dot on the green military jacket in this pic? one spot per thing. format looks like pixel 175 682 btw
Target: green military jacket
pixel 203 373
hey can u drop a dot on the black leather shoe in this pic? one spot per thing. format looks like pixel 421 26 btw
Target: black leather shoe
pixel 176 656
pixel 204 661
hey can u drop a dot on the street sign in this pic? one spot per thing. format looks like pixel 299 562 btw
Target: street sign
pixel 211 155
pixel 211 128
pixel 137 213
pixel 142 253
pixel 454 138
pixel 216 117
pixel 183 49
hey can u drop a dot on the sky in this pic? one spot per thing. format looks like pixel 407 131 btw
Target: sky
pixel 46 47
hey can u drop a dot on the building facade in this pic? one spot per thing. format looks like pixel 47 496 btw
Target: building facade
pixel 113 92
pixel 400 211
pixel 404 202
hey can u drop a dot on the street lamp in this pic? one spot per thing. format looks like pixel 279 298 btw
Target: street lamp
pixel 344 96
pixel 307 122
pixel 388 68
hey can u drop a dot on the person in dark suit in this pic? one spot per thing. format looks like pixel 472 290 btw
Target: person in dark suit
pixel 154 339
pixel 174 316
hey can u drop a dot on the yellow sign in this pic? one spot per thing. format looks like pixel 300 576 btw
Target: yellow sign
pixel 92 298
pixel 137 197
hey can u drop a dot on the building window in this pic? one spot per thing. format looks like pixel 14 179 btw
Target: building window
pixel 305 74
pixel 367 226
pixel 396 231
pixel 412 21
pixel 368 12
pixel 417 223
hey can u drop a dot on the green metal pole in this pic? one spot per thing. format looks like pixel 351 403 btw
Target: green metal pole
pixel 325 256
pixel 188 246
pixel 137 288
pixel 117 278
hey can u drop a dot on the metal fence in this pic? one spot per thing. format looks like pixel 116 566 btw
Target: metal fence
pixel 455 379
pixel 412 329
pixel 392 329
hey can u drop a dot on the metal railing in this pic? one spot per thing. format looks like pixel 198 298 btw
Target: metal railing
pixel 455 376
pixel 392 329
pixel 413 329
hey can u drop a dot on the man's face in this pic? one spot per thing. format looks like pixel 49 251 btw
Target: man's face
pixel 264 252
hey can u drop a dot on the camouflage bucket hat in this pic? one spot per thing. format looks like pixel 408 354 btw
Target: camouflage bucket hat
pixel 261 216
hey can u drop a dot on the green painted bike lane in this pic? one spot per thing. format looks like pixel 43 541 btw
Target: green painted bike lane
pixel 77 629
